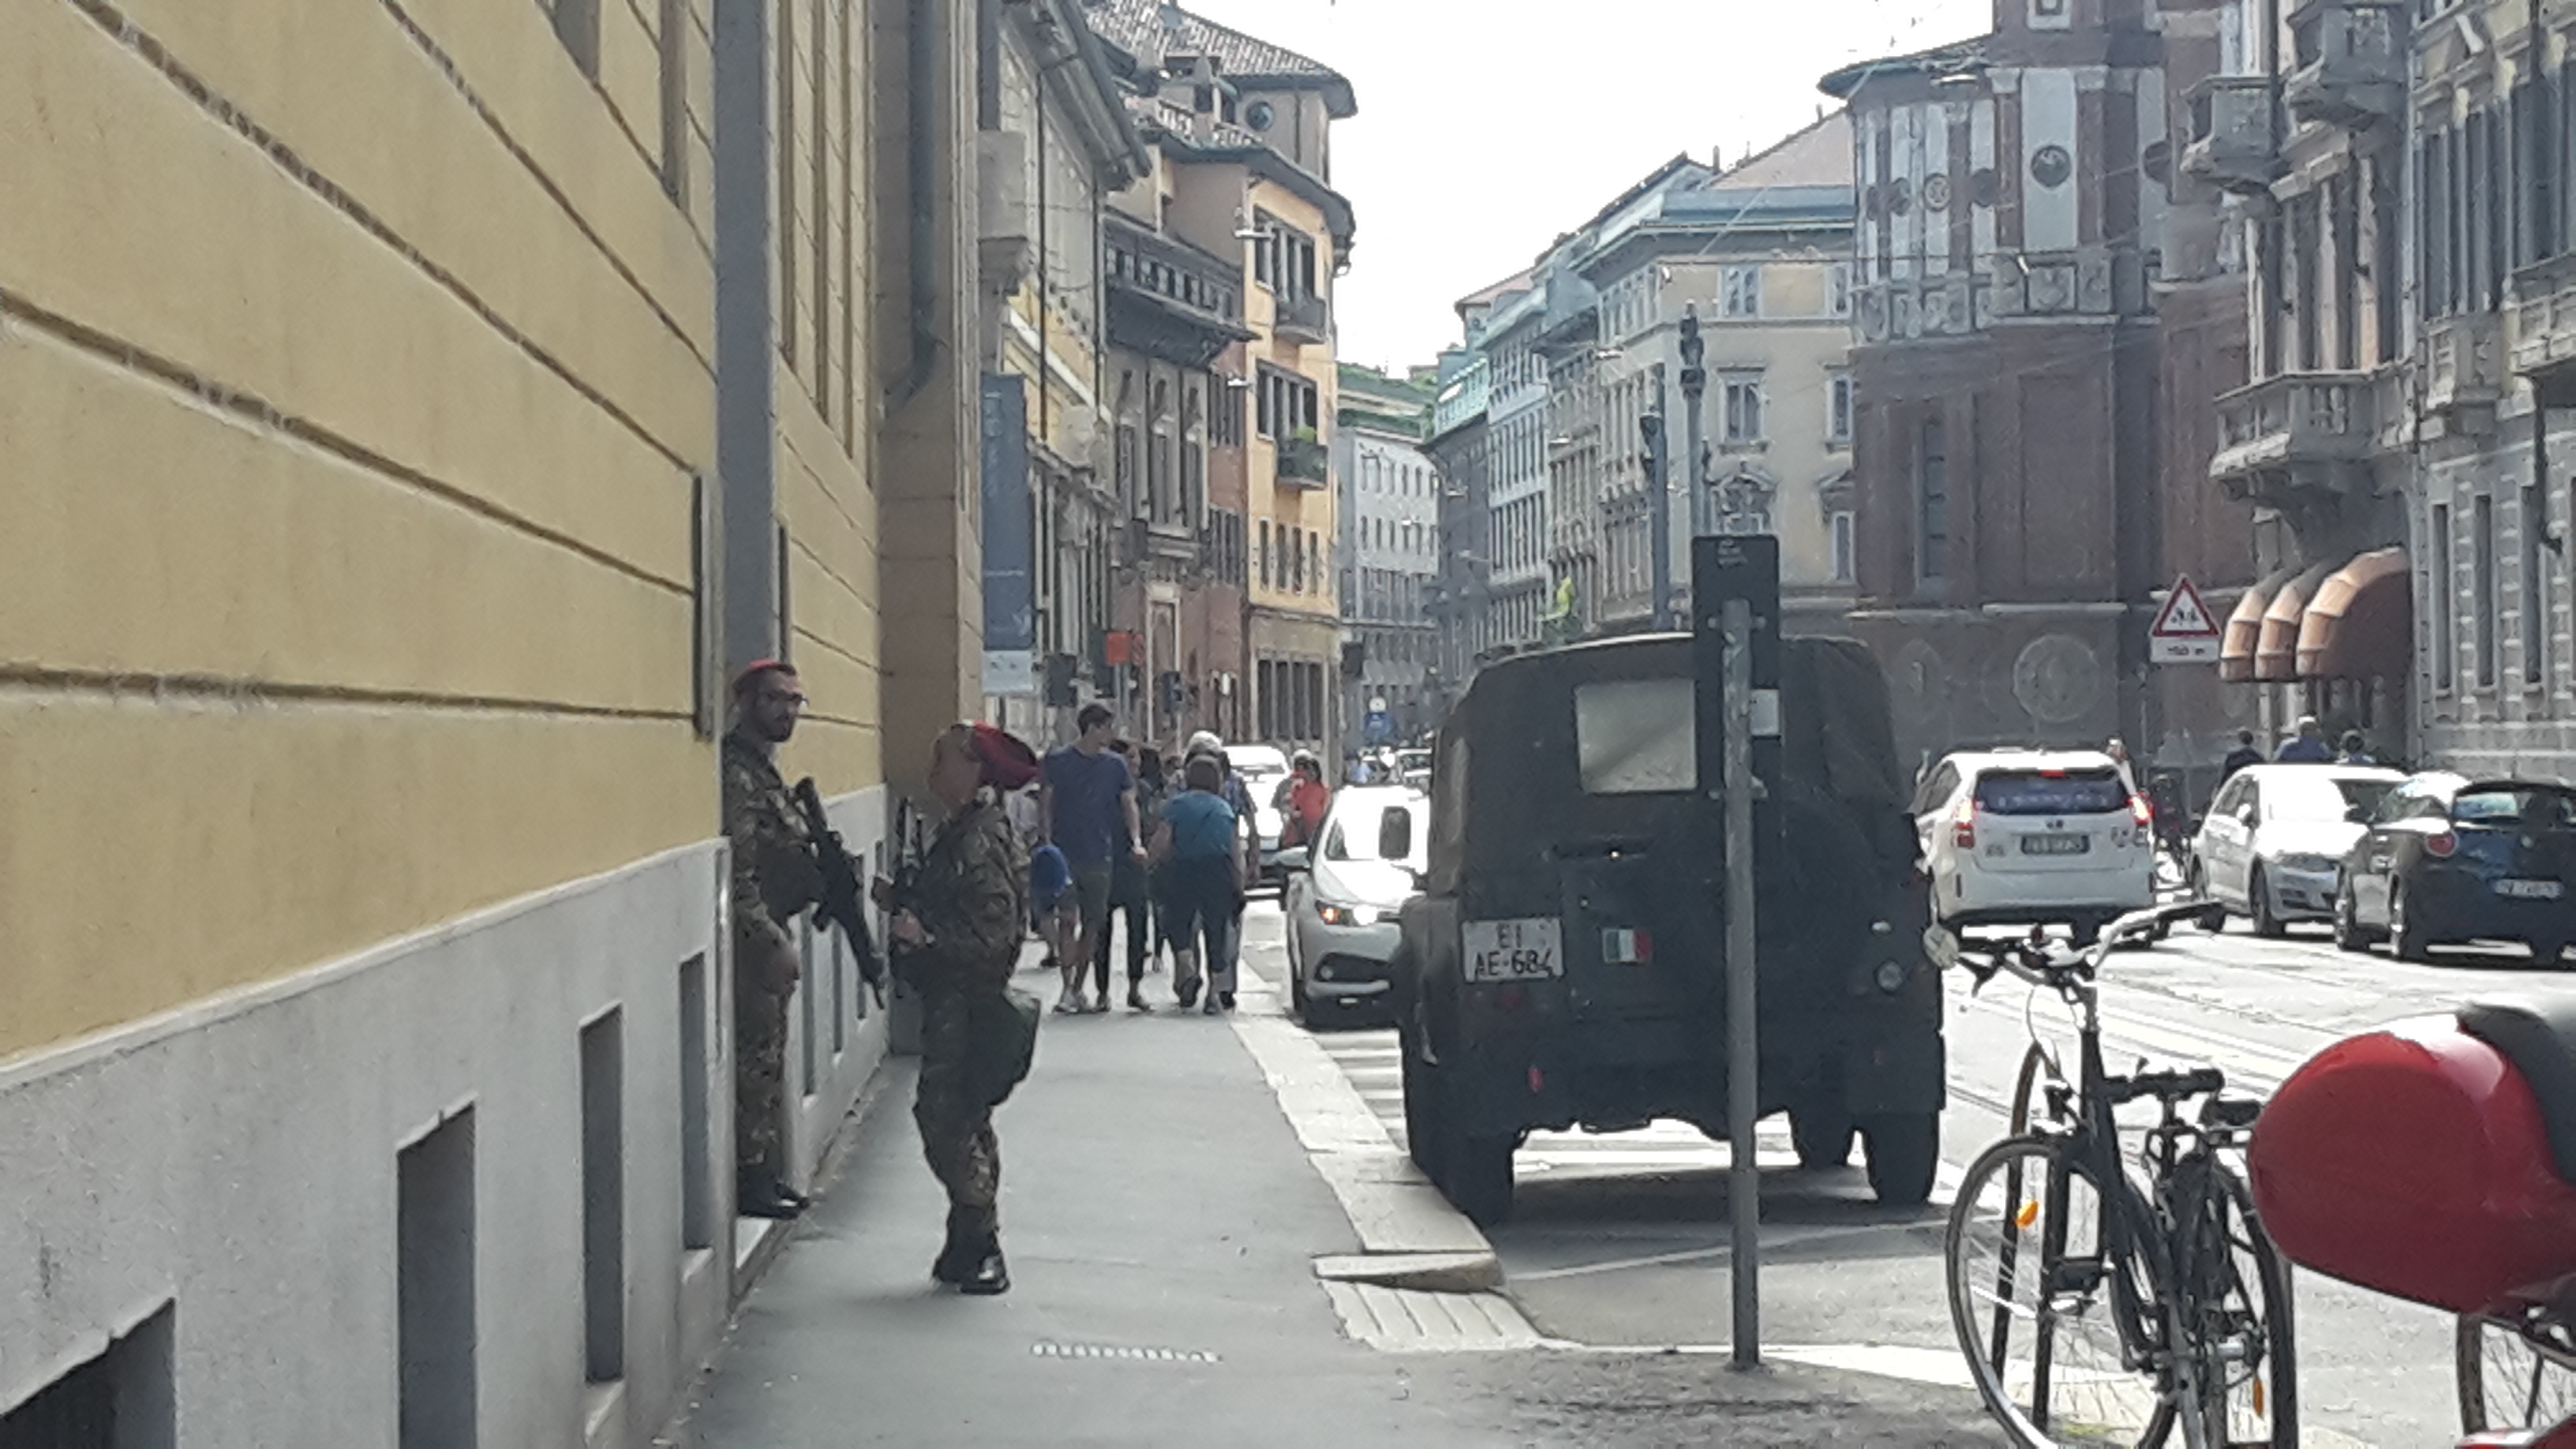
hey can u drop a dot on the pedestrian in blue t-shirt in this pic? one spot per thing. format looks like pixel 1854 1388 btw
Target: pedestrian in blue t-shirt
pixel 1087 809
pixel 1201 850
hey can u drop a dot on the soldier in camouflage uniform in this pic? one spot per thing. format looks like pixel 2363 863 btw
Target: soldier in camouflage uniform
pixel 776 877
pixel 958 932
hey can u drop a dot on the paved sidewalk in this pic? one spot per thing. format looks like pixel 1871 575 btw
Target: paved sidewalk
pixel 1163 1221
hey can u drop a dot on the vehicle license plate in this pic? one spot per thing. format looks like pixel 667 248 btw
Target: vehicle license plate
pixel 2531 890
pixel 1522 950
pixel 2056 844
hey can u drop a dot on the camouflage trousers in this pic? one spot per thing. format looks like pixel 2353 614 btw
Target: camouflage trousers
pixel 956 1128
pixel 760 1076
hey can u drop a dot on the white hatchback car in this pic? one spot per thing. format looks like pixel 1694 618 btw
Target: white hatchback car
pixel 1341 899
pixel 1262 769
pixel 2272 847
pixel 2032 837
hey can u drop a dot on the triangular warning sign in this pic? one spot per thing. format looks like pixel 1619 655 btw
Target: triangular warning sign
pixel 2184 616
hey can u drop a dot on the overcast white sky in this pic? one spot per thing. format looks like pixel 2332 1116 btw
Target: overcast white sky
pixel 1488 127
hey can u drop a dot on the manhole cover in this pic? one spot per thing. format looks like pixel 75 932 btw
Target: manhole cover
pixel 1121 1352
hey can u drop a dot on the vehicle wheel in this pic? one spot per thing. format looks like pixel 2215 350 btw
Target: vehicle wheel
pixel 1311 1012
pixel 1904 1151
pixel 1823 1135
pixel 2213 920
pixel 2258 904
pixel 2035 1314
pixel 1480 1177
pixel 2348 934
pixel 1423 1130
pixel 2406 935
pixel 2507 1381
pixel 2086 931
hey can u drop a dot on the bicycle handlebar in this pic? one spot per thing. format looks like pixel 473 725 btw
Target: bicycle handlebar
pixel 2035 963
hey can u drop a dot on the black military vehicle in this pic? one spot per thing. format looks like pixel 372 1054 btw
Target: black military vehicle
pixel 1564 965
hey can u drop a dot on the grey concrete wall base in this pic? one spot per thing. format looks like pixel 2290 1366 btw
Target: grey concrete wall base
pixel 241 1161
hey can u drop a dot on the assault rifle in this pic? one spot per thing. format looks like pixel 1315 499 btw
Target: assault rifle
pixel 845 894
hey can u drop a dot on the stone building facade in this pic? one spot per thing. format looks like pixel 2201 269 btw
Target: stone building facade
pixel 1388 553
pixel 2010 378
pixel 1241 133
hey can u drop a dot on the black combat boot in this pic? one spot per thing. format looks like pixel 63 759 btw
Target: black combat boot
pixel 990 1275
pixel 956 1260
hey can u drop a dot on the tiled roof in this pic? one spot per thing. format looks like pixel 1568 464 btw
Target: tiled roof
pixel 1153 31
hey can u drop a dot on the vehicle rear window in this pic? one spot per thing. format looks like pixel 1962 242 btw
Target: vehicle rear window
pixel 1357 834
pixel 2537 805
pixel 1636 736
pixel 2051 792
pixel 2291 795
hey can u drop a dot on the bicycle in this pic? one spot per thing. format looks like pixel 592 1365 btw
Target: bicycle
pixel 2097 1305
pixel 2517 1371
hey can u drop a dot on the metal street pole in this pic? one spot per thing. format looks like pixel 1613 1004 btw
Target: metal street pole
pixel 1659 487
pixel 1743 1065
pixel 1694 390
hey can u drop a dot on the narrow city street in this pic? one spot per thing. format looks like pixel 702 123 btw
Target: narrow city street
pixel 1621 1239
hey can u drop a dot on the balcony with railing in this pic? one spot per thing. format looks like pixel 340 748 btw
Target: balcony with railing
pixel 2296 433
pixel 2541 310
pixel 1303 463
pixel 2350 61
pixel 2464 370
pixel 2233 145
pixel 1303 319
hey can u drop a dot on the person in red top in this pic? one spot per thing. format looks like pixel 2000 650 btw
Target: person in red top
pixel 1303 799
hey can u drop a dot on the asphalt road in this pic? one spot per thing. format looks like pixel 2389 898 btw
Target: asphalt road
pixel 1620 1240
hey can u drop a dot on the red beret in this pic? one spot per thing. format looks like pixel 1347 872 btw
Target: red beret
pixel 1009 763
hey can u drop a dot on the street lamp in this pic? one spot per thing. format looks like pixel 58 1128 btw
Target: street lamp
pixel 1659 484
pixel 1694 391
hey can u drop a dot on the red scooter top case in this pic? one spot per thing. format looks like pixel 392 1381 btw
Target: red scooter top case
pixel 2415 1161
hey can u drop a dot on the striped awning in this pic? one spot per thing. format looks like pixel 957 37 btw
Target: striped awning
pixel 2361 623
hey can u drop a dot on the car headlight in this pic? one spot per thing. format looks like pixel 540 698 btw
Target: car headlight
pixel 1337 914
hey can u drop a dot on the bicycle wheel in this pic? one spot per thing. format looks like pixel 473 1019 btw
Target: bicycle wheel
pixel 2046 1320
pixel 2239 1316
pixel 2512 1377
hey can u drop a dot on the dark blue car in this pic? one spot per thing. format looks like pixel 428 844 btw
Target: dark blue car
pixel 2449 859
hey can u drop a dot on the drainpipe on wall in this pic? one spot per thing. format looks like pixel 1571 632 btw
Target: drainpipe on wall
pixel 921 73
pixel 746 337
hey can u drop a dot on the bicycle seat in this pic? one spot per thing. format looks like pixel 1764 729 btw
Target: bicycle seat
pixel 2538 1035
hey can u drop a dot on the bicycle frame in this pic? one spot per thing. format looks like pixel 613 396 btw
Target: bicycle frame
pixel 2132 1227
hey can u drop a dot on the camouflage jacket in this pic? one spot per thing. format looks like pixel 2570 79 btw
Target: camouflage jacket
pixel 972 896
pixel 775 875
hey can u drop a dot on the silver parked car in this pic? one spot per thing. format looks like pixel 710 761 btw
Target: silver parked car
pixel 2272 848
pixel 1341 898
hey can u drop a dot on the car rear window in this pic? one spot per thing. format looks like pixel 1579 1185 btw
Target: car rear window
pixel 1635 736
pixel 2537 805
pixel 2297 795
pixel 2051 792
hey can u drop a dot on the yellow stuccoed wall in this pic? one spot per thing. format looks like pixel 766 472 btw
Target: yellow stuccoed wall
pixel 348 412
pixel 826 394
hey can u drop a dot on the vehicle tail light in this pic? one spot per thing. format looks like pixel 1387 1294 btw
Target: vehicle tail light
pixel 2141 811
pixel 2441 845
pixel 1537 1081
pixel 1963 826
